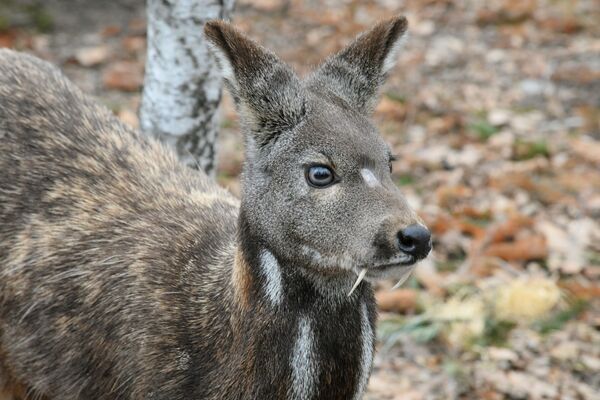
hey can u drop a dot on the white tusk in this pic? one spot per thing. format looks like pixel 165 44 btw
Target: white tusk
pixel 361 276
pixel 403 278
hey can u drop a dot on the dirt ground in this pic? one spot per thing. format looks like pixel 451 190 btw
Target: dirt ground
pixel 494 113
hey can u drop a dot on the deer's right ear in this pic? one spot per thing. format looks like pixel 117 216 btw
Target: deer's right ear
pixel 267 92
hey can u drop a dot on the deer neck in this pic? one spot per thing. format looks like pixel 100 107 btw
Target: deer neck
pixel 314 344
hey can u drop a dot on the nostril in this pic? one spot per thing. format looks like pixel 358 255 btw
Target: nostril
pixel 415 240
pixel 407 243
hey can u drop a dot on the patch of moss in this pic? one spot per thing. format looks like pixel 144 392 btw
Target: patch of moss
pixel 40 18
pixel 4 22
pixel 228 123
pixel 559 319
pixel 525 150
pixel 405 180
pixel 482 129
pixel 420 328
pixel 481 221
pixel 457 370
pixel 396 97
pixel 31 14
pixel 593 257
pixel 449 265
pixel 495 332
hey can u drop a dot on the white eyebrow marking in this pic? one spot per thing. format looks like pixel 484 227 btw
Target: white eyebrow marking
pixel 271 271
pixel 369 177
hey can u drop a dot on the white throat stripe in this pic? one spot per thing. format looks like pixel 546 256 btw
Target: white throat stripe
pixel 272 273
pixel 366 357
pixel 304 363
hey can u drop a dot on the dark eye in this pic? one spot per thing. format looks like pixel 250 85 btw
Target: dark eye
pixel 392 159
pixel 319 176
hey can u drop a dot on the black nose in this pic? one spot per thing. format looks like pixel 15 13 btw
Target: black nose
pixel 415 240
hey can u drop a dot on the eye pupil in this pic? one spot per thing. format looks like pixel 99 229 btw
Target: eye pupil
pixel 320 175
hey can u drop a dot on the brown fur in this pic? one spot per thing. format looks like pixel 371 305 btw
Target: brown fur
pixel 75 184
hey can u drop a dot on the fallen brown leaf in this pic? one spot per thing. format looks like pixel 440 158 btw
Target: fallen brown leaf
pixel 471 229
pixel 582 291
pixel 389 108
pixel 91 56
pixel 587 149
pixel 509 229
pixel 581 75
pixel 483 267
pixel 127 76
pixel 129 117
pixel 7 38
pixel 450 195
pixel 134 44
pixel 562 24
pixel 110 30
pixel 507 11
pixel 399 300
pixel 527 248
pixel 440 223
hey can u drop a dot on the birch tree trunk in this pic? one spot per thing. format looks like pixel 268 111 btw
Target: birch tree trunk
pixel 182 85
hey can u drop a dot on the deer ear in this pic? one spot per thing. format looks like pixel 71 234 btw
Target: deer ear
pixel 267 92
pixel 356 73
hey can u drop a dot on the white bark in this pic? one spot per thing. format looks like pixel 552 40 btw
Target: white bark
pixel 182 85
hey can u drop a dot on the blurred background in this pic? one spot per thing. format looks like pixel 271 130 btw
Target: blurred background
pixel 494 112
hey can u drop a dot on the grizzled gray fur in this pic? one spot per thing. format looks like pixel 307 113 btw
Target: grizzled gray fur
pixel 124 275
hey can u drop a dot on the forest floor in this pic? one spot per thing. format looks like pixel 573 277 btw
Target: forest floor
pixel 494 113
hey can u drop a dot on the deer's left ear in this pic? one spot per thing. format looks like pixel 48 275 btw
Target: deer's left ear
pixel 356 73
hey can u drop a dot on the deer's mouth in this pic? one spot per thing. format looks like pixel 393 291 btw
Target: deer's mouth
pixel 398 261
pixel 399 267
pixel 391 269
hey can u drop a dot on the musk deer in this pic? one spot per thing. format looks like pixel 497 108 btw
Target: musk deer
pixel 124 275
